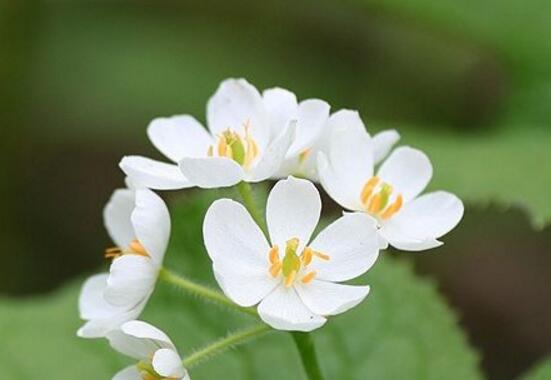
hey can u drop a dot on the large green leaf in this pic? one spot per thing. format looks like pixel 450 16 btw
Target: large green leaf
pixel 403 331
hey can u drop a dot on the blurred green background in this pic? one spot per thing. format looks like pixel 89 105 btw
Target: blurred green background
pixel 469 82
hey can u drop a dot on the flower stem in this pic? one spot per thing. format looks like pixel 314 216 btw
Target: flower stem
pixel 246 193
pixel 303 341
pixel 223 344
pixel 203 291
pixel 307 351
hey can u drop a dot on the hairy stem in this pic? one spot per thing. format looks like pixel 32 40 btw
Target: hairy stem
pixel 203 291
pixel 224 344
pixel 307 351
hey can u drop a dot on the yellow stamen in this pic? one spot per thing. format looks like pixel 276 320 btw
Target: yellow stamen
pixel 222 147
pixel 322 256
pixel 393 208
pixel 307 255
pixel 275 269
pixel 368 189
pixel 274 254
pixel 290 279
pixel 303 156
pixel 309 277
pixel 374 204
pixel 210 152
pixel 137 248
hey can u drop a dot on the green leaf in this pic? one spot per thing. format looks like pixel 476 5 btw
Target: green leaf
pixel 541 372
pixel 403 330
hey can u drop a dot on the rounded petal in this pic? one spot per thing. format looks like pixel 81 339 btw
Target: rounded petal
pixel 348 165
pixel 212 172
pixel 352 243
pixel 407 170
pixel 292 211
pixel 281 106
pixel 327 298
pixel 138 340
pixel 273 157
pixel 167 363
pixel 383 143
pixel 239 252
pixel 284 310
pixel 151 222
pixel 131 280
pixel 421 222
pixel 129 373
pixel 116 217
pixel 91 303
pixel 312 117
pixel 236 103
pixel 157 175
pixel 179 136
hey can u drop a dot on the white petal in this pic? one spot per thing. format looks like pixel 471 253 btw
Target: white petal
pixel 145 172
pixel 129 373
pixel 212 172
pixel 131 280
pixel 116 217
pixel 421 222
pixel 383 143
pixel 239 252
pixel 91 303
pixel 151 222
pixel 312 117
pixel 167 363
pixel 407 170
pixel 179 136
pixel 292 211
pixel 351 242
pixel 236 103
pixel 273 157
pixel 281 106
pixel 349 163
pixel 284 310
pixel 138 340
pixel 327 298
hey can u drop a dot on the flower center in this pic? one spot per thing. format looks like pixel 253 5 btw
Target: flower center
pixel 134 248
pixel 375 198
pixel 242 150
pixel 148 373
pixel 293 266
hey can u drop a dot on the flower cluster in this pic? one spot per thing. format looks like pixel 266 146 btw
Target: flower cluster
pixel 295 280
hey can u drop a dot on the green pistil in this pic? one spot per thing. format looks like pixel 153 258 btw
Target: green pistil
pixel 385 192
pixel 291 261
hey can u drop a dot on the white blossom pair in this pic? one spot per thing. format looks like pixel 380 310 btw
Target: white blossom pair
pixel 293 279
pixel 139 224
pixel 157 356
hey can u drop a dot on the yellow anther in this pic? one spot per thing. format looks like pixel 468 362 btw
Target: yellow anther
pixel 322 256
pixel 309 277
pixel 393 208
pixel 374 204
pixel 303 156
pixel 290 278
pixel 137 248
pixel 307 256
pixel 368 189
pixel 223 147
pixel 275 269
pixel 274 254
pixel 210 152
pixel 113 252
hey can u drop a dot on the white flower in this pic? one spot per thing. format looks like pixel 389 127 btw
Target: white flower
pixel 406 220
pixel 294 280
pixel 311 117
pixel 139 223
pixel 157 355
pixel 238 145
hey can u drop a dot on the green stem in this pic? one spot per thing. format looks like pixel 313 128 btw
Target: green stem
pixel 303 341
pixel 203 291
pixel 307 351
pixel 223 344
pixel 246 193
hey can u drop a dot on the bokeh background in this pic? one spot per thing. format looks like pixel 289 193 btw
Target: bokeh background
pixel 470 82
